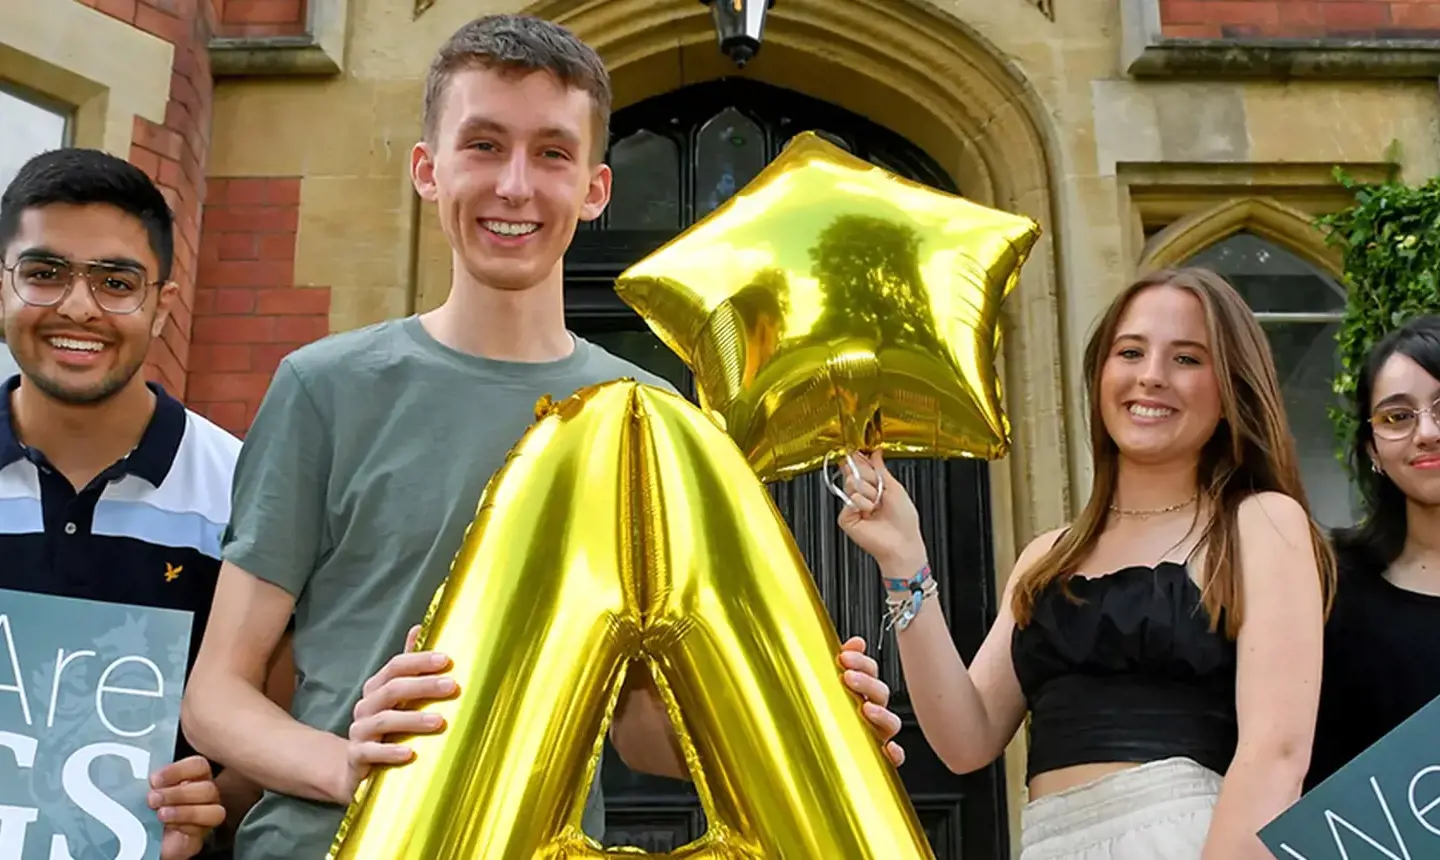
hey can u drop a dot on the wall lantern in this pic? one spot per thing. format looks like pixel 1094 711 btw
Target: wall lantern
pixel 739 26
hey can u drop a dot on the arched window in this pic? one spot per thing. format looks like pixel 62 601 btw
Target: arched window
pixel 1265 250
pixel 677 158
pixel 1300 307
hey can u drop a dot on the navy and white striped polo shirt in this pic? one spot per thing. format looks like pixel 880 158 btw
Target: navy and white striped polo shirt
pixel 146 531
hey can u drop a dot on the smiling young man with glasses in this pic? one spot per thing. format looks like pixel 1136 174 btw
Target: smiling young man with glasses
pixel 109 487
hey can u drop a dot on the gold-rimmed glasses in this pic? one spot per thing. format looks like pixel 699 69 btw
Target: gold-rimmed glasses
pixel 1396 423
pixel 45 281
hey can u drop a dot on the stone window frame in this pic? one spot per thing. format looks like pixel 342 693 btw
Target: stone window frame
pixel 318 50
pixel 106 71
pixel 1174 210
pixel 63 111
pixel 45 102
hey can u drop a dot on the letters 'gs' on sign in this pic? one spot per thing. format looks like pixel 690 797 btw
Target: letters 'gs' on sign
pixel 89 708
pixel 1383 804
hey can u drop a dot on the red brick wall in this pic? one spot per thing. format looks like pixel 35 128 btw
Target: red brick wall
pixel 248 312
pixel 174 153
pixel 1300 19
pixel 260 18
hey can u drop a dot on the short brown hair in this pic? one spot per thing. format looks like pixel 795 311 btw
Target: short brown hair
pixel 521 44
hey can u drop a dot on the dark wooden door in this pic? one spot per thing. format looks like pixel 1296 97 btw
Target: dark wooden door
pixel 676 157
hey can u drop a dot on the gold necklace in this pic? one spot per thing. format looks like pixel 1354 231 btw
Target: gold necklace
pixel 1153 512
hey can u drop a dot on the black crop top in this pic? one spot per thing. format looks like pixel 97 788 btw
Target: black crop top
pixel 1382 664
pixel 1132 674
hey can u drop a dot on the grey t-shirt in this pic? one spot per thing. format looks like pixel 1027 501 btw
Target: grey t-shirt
pixel 353 491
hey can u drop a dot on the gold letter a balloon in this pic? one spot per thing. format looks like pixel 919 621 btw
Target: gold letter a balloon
pixel 626 527
pixel 832 306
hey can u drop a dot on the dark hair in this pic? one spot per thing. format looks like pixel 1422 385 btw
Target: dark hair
pixel 86 176
pixel 1376 541
pixel 521 44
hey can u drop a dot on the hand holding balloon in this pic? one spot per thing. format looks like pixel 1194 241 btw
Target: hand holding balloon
pixel 408 678
pixel 863 676
pixel 886 525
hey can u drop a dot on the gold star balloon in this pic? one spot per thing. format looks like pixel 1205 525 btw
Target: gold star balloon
pixel 831 306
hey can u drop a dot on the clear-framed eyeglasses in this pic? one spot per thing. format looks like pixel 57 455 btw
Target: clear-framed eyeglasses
pixel 44 282
pixel 1397 423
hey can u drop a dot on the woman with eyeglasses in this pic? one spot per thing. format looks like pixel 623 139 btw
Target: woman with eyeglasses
pixel 1382 643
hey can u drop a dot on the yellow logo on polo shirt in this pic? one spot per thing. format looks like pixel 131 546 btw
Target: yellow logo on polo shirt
pixel 172 572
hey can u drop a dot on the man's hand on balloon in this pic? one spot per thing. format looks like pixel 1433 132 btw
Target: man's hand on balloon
pixel 862 675
pixel 186 801
pixel 409 678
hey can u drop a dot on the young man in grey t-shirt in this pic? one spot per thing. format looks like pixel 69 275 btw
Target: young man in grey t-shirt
pixel 367 459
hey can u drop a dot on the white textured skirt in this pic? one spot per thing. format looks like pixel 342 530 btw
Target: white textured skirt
pixel 1157 811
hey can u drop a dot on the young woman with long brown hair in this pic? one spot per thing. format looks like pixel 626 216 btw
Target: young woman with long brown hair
pixel 1166 645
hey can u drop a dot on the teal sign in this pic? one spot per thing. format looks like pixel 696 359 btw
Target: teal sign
pixel 1383 805
pixel 89 708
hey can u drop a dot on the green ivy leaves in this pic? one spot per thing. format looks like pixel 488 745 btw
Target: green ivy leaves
pixel 1390 244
